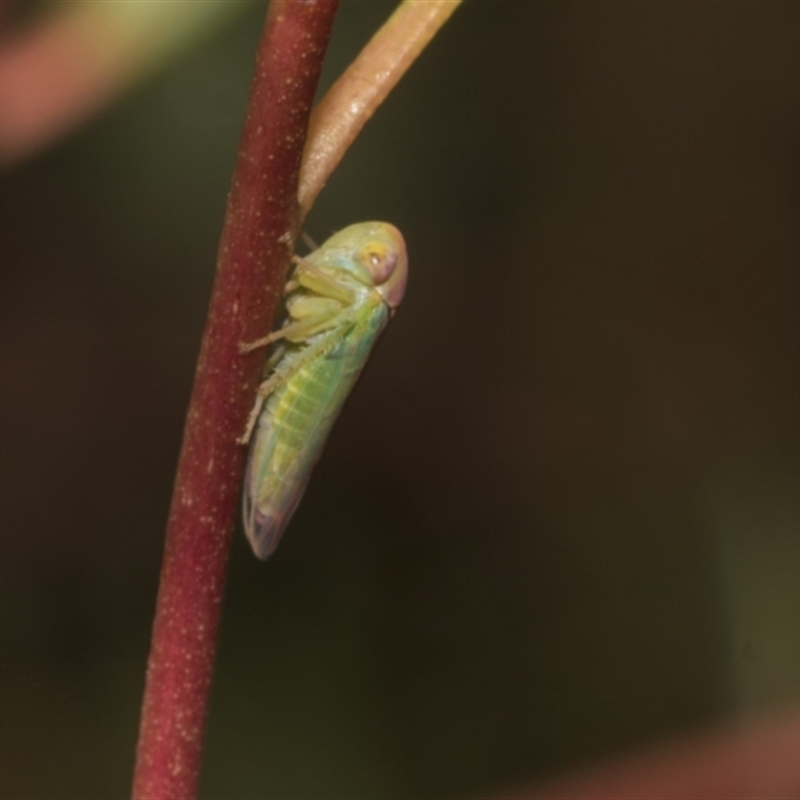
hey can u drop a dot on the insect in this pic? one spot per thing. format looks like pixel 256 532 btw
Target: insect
pixel 338 300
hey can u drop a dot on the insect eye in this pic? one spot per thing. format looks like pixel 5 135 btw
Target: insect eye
pixel 378 260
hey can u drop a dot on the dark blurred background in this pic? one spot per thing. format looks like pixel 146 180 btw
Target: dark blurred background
pixel 559 518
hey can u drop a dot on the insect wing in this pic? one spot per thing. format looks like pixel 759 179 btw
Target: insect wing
pixel 270 500
pixel 293 428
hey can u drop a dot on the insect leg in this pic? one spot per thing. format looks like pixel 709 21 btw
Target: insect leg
pixel 263 392
pixel 295 331
pixel 252 418
pixel 310 243
pixel 317 281
pixel 288 370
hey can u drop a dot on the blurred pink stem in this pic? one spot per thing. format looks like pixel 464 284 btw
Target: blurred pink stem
pixel 69 62
pixel 747 760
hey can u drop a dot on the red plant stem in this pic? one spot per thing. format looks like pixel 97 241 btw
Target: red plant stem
pixel 259 229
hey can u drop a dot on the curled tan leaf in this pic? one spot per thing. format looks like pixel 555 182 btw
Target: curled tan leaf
pixel 355 96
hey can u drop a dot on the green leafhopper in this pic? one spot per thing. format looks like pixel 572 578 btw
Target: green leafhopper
pixel 339 299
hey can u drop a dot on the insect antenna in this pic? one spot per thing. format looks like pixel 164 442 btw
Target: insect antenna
pixel 309 242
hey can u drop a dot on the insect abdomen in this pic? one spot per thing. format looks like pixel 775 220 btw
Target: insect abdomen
pixel 294 425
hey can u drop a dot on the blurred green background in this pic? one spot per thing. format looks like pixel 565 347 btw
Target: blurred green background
pixel 559 518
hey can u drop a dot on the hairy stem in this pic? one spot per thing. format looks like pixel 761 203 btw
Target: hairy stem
pixel 259 228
